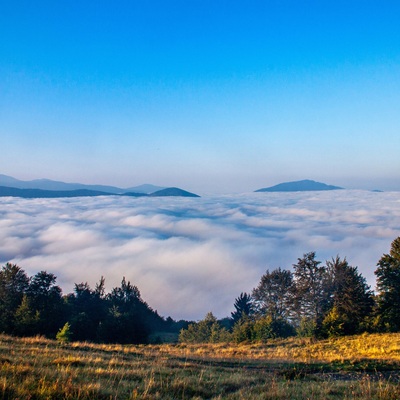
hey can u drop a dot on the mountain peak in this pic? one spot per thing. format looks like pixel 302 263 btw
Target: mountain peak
pixel 305 185
pixel 173 191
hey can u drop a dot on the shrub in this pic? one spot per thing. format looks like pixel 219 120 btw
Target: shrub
pixel 243 330
pixel 267 328
pixel 64 334
pixel 306 328
pixel 207 330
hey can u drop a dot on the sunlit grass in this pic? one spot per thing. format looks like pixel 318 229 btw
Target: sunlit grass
pixel 364 367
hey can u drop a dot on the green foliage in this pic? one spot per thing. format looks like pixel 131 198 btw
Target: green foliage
pixel 307 328
pixel 268 328
pixel 120 316
pixel 311 290
pixel 35 306
pixel 243 330
pixel 26 318
pixel 264 329
pixel 388 285
pixel 13 284
pixel 64 334
pixel 207 330
pixel 273 295
pixel 330 300
pixel 333 323
pixel 261 329
pixel 46 302
pixel 128 316
pixel 87 309
pixel 351 300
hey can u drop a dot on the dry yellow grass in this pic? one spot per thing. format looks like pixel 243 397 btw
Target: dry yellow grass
pixel 383 347
pixel 364 367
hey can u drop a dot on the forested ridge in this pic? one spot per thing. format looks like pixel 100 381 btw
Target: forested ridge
pixel 310 299
pixel 35 306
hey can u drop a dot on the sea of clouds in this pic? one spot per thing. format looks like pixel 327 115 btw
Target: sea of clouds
pixel 189 256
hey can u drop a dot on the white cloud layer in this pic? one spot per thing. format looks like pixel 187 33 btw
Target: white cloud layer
pixel 189 256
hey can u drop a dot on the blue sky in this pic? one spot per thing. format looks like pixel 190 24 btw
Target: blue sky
pixel 211 96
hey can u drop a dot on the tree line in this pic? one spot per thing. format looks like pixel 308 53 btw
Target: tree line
pixel 35 306
pixel 311 299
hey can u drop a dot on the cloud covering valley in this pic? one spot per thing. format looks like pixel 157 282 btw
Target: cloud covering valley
pixel 189 256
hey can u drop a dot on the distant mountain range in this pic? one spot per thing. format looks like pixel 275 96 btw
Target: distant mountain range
pixel 47 184
pixel 45 188
pixel 299 186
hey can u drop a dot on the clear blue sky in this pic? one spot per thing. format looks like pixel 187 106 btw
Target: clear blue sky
pixel 205 95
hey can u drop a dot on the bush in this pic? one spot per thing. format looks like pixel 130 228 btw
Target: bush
pixel 307 328
pixel 207 330
pixel 243 330
pixel 64 334
pixel 261 329
pixel 267 328
pixel 333 324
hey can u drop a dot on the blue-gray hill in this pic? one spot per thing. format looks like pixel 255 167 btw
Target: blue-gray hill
pixel 299 186
pixel 6 191
pixel 48 184
pixel 173 191
pixel 48 194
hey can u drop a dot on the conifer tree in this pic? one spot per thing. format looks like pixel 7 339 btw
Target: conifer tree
pixel 45 298
pixel 13 285
pixel 388 285
pixel 64 334
pixel 351 299
pixel 243 307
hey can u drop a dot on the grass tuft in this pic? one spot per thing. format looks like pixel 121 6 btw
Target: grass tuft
pixel 68 361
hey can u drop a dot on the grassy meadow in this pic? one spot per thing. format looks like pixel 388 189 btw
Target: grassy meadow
pixel 356 367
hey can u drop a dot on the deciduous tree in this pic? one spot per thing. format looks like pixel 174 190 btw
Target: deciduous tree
pixel 273 295
pixel 311 291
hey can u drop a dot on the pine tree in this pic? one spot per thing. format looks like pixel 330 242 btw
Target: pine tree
pixel 88 309
pixel 45 296
pixel 13 285
pixel 26 318
pixel 243 307
pixel 388 285
pixel 129 318
pixel 351 299
pixel 64 334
